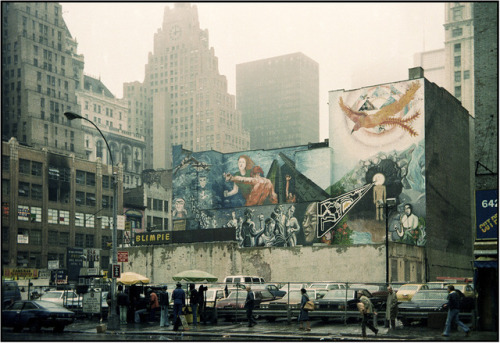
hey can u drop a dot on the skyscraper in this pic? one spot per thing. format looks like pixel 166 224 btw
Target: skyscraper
pixel 184 99
pixel 279 100
pixel 38 78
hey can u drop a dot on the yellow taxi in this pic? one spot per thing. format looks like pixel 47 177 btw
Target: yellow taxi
pixel 407 291
pixel 465 288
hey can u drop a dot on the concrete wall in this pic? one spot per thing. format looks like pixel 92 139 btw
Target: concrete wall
pixel 360 263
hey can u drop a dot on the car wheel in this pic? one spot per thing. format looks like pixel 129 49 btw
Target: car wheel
pixel 35 326
pixel 59 328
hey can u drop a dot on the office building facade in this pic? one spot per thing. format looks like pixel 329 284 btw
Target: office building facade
pixel 279 100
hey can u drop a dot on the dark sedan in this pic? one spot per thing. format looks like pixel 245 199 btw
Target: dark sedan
pixel 423 302
pixel 35 314
pixel 273 289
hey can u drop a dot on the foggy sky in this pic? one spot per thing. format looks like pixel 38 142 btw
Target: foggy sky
pixel 355 44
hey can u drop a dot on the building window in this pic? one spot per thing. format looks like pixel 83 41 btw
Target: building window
pixel 157 205
pixel 79 198
pixel 458 76
pixel 457 14
pixel 52 216
pixel 5 163
pixel 53 239
pixel 5 234
pixel 24 189
pixel 105 201
pixel 457 61
pixel 456 32
pixel 466 74
pixel 79 237
pixel 89 220
pixel 36 214
pixel 24 166
pixel 105 182
pixel 63 241
pixel 36 168
pixel 90 199
pixel 458 92
pixel 457 48
pixel 36 237
pixel 165 209
pixel 64 217
pixel 23 213
pixel 36 192
pixel 90 179
pixel 89 241
pixel 104 242
pixel 79 219
pixel 80 177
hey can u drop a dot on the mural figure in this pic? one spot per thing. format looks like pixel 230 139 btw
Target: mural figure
pixel 262 191
pixel 408 220
pixel 379 195
pixel 204 195
pixel 309 223
pixel 290 197
pixel 292 227
pixel 179 211
pixel 233 222
pixel 267 238
pixel 247 227
pixel 245 166
pixel 387 115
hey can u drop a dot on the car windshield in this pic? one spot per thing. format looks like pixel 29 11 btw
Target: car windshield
pixel 423 296
pixel 237 294
pixel 339 294
pixel 295 296
pixel 408 288
pixel 318 285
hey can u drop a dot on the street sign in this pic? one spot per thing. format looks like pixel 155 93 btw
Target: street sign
pixel 116 270
pixel 120 222
pixel 122 256
pixel 92 302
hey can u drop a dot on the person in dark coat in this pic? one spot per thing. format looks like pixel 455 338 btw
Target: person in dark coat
pixel 179 298
pixel 193 301
pixel 304 315
pixel 453 306
pixel 123 304
pixel 249 306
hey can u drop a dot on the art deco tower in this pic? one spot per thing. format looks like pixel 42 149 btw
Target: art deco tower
pixel 184 99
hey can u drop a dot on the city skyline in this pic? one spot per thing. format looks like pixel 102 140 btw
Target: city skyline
pixel 392 33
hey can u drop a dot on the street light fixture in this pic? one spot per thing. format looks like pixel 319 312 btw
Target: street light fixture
pixel 113 323
pixel 389 203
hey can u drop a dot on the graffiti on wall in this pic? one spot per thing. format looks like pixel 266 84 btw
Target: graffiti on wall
pixel 377 134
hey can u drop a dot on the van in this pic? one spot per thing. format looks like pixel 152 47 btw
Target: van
pixel 243 280
pixel 10 292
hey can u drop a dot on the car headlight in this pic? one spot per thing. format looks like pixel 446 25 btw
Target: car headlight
pixel 264 306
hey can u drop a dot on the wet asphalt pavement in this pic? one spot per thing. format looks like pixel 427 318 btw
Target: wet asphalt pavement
pixel 85 329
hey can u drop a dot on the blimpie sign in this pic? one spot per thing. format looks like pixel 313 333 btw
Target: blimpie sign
pixel 149 238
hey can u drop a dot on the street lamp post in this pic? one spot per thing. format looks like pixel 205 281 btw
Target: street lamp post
pixel 389 203
pixel 113 323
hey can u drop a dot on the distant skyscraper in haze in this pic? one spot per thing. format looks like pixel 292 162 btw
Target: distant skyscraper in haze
pixel 433 64
pixel 183 99
pixel 279 100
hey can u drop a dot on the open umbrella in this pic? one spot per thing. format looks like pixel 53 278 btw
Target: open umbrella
pixel 131 278
pixel 194 276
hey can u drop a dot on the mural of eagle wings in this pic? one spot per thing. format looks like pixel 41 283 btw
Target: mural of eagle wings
pixel 386 115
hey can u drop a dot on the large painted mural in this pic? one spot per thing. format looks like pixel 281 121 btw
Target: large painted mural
pixel 269 196
pixel 377 134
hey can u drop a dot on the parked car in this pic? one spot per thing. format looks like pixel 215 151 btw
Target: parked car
pixel 278 293
pixel 346 299
pixel 376 290
pixel 243 279
pixel 67 298
pixel 236 301
pixel 323 287
pixel 465 288
pixel 35 314
pixel 406 292
pixel 436 285
pixel 427 301
pixel 278 308
pixel 293 286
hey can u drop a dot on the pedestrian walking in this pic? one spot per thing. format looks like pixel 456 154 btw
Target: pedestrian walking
pixel 453 306
pixel 249 306
pixel 304 315
pixel 193 301
pixel 123 303
pixel 365 307
pixel 391 309
pixel 179 297
pixel 153 304
pixel 201 303
pixel 163 295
